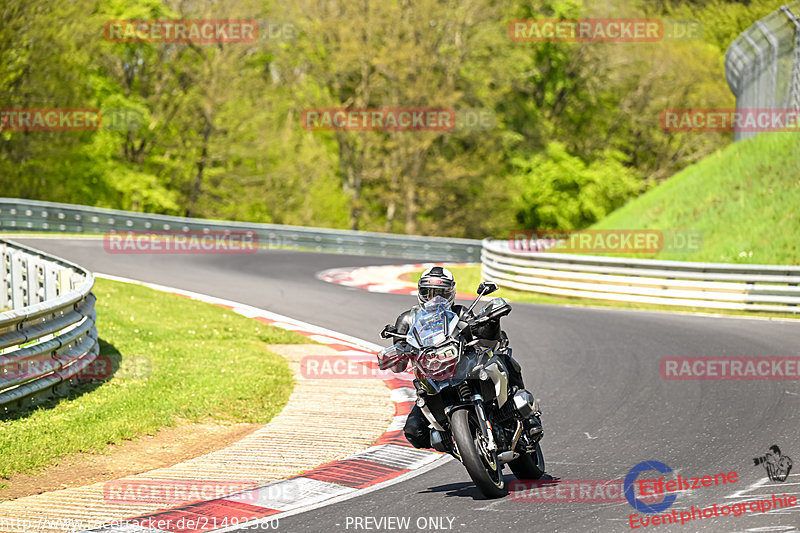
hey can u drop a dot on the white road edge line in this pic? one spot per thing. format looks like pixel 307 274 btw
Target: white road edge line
pixel 237 305
pixel 338 499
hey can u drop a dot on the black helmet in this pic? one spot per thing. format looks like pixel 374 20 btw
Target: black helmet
pixel 436 281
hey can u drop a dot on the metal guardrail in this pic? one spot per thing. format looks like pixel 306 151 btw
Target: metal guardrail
pixel 47 325
pixel 763 64
pixel 710 285
pixel 32 215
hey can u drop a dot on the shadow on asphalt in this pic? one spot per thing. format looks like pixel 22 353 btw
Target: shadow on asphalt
pixel 469 490
pixel 460 490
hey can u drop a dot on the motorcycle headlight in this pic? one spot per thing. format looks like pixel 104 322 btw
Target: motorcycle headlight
pixel 447 353
pixel 440 362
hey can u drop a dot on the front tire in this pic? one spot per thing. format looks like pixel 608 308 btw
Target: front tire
pixel 486 473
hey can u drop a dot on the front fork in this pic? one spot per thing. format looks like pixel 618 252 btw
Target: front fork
pixel 484 423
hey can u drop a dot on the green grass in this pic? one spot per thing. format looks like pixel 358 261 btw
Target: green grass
pixel 744 199
pixel 177 359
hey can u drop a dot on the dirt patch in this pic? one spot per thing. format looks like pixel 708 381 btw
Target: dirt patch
pixel 167 447
pixel 410 277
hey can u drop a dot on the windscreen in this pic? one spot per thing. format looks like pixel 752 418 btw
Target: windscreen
pixel 430 325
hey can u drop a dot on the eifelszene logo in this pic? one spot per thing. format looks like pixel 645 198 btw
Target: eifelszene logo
pixel 777 465
pixel 635 502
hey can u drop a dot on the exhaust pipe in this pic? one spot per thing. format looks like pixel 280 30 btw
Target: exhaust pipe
pixel 510 455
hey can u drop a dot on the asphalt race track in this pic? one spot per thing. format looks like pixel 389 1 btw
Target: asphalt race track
pixel 596 372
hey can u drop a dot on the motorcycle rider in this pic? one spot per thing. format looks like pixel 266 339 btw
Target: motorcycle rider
pixel 438 281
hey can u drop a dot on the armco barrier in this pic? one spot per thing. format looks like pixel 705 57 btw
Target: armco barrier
pixel 711 285
pixel 31 215
pixel 47 325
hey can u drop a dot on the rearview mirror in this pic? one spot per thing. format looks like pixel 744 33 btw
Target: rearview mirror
pixel 388 330
pixel 487 287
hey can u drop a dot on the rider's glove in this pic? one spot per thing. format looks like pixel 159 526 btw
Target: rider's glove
pixel 393 365
pixel 400 367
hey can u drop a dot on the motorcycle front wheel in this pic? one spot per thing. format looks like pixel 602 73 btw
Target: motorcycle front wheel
pixel 482 466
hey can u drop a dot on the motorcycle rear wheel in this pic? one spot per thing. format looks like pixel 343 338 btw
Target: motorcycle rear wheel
pixel 486 473
pixel 528 466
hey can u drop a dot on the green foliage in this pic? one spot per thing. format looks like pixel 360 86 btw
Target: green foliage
pixel 723 21
pixel 220 133
pixel 558 190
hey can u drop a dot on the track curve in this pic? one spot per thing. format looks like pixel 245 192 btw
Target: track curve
pixel 596 371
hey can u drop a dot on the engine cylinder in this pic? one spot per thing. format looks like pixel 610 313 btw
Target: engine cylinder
pixel 524 403
pixel 440 440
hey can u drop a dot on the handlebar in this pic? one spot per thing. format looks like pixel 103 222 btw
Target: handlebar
pixel 498 313
pixel 391 331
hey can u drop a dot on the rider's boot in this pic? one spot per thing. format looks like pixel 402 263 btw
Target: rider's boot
pixel 533 427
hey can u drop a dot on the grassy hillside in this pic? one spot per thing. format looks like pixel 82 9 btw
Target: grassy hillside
pixel 744 199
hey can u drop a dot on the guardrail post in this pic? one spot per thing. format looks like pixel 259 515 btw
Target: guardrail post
pixel 32 279
pixel 5 288
pixel 50 281
pixel 18 296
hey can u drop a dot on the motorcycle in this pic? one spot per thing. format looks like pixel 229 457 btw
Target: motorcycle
pixel 463 391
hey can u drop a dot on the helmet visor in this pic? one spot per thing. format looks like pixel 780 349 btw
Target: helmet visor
pixel 427 293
